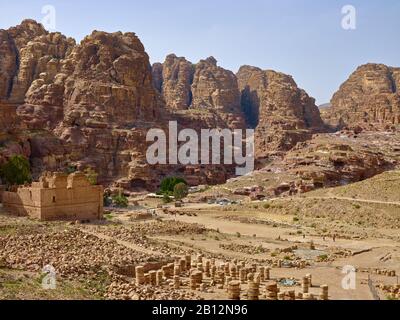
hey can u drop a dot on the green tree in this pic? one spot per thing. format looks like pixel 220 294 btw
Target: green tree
pixel 181 191
pixel 120 201
pixel 168 184
pixel 16 171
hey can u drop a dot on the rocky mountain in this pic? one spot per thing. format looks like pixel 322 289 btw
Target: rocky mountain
pixel 78 105
pixel 204 91
pixel 173 79
pixel 369 99
pixel 281 113
pixel 91 104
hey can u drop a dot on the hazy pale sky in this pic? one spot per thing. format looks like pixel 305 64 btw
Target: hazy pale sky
pixel 303 38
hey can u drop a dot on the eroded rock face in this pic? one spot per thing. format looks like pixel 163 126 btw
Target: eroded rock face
pixel 8 64
pixel 111 82
pixel 157 72
pixel 77 103
pixel 32 46
pixel 370 98
pixel 92 104
pixel 281 113
pixel 214 87
pixel 199 96
pixel 177 78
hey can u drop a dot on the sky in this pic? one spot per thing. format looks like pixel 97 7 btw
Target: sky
pixel 303 38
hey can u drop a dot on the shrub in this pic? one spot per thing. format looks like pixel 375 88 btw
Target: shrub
pixel 180 191
pixel 16 171
pixel 323 257
pixel 267 206
pixel 168 184
pixel 120 201
pixel 166 198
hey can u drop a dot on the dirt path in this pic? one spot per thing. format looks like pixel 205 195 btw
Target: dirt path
pixel 271 233
pixel 126 244
pixel 356 200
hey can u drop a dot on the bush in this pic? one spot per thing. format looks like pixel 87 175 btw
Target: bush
pixel 166 199
pixel 16 171
pixel 168 184
pixel 181 191
pixel 323 257
pixel 120 201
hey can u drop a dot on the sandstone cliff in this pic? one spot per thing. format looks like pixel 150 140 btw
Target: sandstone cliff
pixel 207 94
pixel 281 113
pixel 177 78
pixel 90 104
pixel 77 104
pixel 369 99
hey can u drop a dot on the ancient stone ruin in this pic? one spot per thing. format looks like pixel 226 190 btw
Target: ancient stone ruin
pixel 57 196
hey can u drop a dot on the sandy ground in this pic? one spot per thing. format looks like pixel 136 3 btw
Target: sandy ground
pixel 368 253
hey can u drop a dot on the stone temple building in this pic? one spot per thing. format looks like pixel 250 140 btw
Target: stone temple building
pixel 57 196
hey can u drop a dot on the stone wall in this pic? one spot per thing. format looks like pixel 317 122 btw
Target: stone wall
pixel 57 197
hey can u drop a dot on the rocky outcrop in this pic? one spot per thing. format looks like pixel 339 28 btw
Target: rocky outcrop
pixel 330 160
pixel 91 105
pixel 214 87
pixel 282 114
pixel 370 98
pixel 157 72
pixel 199 96
pixel 32 48
pixel 8 64
pixel 77 104
pixel 177 78
pixel 26 32
pixel 111 82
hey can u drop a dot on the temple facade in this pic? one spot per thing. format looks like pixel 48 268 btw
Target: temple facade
pixel 57 196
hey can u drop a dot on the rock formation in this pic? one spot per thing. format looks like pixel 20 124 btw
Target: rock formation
pixel 207 93
pixel 177 78
pixel 77 104
pixel 157 72
pixel 281 113
pixel 370 99
pixel 91 104
pixel 215 87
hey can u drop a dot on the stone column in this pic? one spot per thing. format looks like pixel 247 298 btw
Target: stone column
pixel 234 290
pixel 253 291
pixel 305 285
pixel 325 292
pixel 139 271
pixel 271 290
